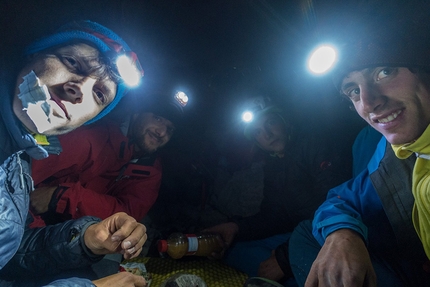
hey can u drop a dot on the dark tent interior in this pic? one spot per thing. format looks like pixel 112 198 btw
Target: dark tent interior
pixel 221 52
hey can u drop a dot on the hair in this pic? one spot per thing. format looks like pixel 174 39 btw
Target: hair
pixel 101 71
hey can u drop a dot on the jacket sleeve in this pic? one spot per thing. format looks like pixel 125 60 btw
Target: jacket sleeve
pixel 71 282
pixel 352 204
pixel 133 195
pixel 52 249
pixel 342 209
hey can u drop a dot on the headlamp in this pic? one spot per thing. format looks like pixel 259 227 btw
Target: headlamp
pixel 125 61
pixel 255 105
pixel 129 69
pixel 322 59
pixel 181 98
pixel 247 116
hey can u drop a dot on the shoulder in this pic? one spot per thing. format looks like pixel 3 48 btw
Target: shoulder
pixel 97 133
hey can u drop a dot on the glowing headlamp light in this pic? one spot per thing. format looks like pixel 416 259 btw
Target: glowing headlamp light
pixel 322 59
pixel 181 98
pixel 129 69
pixel 247 116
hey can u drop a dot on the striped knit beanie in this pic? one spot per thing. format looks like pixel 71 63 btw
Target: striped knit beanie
pixel 105 40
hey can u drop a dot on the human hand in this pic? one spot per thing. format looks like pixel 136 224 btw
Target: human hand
pixel 342 261
pixel 119 233
pixel 40 198
pixel 227 232
pixel 123 279
pixel 270 268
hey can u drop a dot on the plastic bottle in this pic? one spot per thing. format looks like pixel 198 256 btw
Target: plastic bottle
pixel 179 245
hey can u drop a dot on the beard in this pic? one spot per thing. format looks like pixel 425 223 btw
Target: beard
pixel 145 144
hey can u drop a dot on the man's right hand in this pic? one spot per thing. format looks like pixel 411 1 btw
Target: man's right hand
pixel 228 232
pixel 342 261
pixel 119 233
pixel 123 279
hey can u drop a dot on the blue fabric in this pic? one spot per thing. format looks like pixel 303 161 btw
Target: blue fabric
pixel 363 153
pixel 343 207
pixel 356 205
pixel 15 187
pixel 247 255
pixel 83 31
pixel 304 249
pixel 15 182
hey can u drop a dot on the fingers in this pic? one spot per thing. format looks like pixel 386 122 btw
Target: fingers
pixel 123 279
pixel 118 233
pixel 135 250
pixel 130 233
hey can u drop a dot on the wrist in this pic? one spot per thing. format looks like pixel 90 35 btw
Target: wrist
pixel 344 234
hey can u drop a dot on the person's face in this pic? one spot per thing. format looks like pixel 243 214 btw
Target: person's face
pixel 394 101
pixel 149 132
pixel 76 95
pixel 270 133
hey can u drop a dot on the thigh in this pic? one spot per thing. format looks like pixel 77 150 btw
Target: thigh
pixel 303 250
pixel 246 256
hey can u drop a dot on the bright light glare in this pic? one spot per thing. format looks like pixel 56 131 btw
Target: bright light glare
pixel 247 116
pixel 182 98
pixel 128 71
pixel 322 59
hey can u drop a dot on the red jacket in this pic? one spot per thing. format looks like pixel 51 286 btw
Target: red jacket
pixel 95 175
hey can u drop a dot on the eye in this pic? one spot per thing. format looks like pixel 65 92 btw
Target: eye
pixel 100 96
pixel 352 93
pixel 157 118
pixel 385 72
pixel 71 63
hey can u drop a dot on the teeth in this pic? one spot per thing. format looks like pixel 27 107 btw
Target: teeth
pixel 389 118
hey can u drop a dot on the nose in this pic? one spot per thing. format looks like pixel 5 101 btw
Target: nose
pixel 267 133
pixel 161 130
pixel 75 90
pixel 371 97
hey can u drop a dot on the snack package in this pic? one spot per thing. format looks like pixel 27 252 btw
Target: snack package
pixel 137 269
pixel 184 280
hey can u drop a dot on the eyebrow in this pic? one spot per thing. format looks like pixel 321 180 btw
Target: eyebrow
pixel 365 72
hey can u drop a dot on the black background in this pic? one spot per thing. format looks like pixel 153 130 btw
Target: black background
pixel 220 51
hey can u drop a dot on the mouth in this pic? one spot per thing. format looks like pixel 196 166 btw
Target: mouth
pixel 391 117
pixel 59 103
pixel 154 137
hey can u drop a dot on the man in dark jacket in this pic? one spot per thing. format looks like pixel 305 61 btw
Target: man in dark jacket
pixel 374 230
pixel 301 166
pixel 71 79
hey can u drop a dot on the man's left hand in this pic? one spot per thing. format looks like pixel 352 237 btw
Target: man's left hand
pixel 40 198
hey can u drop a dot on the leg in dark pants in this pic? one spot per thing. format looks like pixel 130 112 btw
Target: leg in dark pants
pixel 303 250
pixel 390 270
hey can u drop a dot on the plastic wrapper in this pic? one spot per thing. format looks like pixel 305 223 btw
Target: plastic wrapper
pixel 137 269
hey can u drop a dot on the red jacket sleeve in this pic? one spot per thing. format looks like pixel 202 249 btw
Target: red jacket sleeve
pixel 133 194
